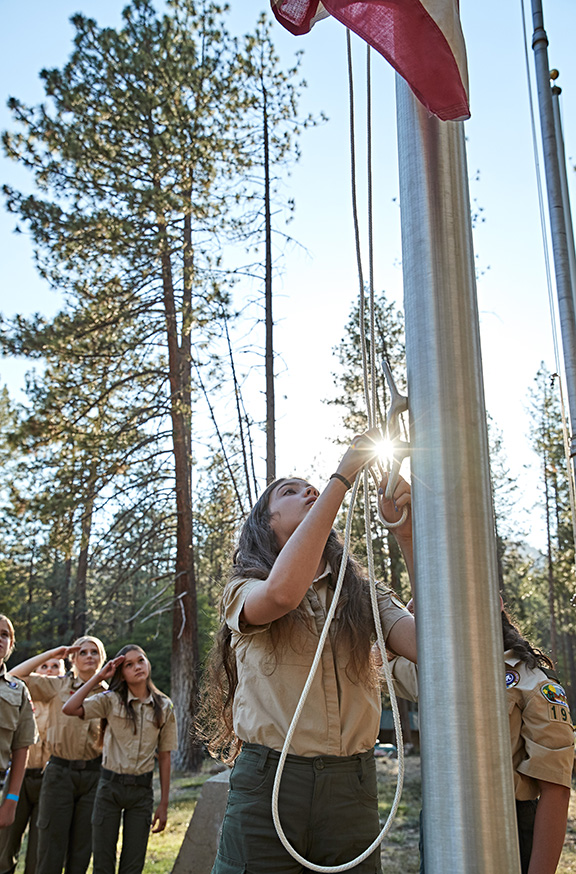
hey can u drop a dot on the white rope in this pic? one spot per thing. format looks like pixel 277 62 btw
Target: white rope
pixel 333 869
pixel 370 397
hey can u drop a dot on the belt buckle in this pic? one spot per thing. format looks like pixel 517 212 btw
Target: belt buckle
pixel 78 765
pixel 129 779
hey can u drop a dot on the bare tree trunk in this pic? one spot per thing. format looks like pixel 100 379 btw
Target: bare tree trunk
pixel 551 606
pixel 79 620
pixel 185 650
pixel 269 352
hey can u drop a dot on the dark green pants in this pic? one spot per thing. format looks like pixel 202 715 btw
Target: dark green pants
pixel 525 816
pixel 328 810
pixel 131 803
pixel 11 837
pixel 64 819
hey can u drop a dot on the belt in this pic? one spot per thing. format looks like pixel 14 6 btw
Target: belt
pixel 128 779
pixel 78 764
pixel 34 772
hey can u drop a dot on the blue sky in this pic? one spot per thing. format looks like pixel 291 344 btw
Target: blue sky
pixel 318 285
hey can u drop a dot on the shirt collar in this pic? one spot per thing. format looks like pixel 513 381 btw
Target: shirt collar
pixel 132 697
pixel 511 658
pixel 325 573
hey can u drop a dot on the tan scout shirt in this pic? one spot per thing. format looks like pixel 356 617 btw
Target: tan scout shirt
pixel 541 731
pixel 17 725
pixel 125 752
pixel 340 717
pixel 39 753
pixel 68 736
pixel 541 728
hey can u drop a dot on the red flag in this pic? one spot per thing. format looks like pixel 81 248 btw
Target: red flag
pixel 422 39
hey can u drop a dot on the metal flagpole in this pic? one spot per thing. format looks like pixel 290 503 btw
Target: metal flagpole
pixel 556 91
pixel 467 782
pixel 558 230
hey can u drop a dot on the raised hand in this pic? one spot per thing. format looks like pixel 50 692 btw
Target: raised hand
pixel 392 510
pixel 362 451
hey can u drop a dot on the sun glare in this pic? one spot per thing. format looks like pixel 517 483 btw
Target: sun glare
pixel 385 451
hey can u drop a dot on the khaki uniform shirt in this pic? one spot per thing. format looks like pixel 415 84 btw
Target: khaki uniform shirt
pixel 69 737
pixel 340 717
pixel 541 728
pixel 17 725
pixel 541 731
pixel 39 753
pixel 126 752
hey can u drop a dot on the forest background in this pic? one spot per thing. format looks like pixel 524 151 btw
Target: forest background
pixel 154 191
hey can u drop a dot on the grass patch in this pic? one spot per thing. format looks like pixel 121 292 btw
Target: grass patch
pixel 399 850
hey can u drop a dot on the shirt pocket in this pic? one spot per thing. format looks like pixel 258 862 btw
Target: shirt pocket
pixel 10 701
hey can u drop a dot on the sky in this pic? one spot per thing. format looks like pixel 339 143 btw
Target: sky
pixel 318 284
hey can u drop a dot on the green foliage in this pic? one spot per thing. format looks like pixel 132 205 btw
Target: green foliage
pixel 142 156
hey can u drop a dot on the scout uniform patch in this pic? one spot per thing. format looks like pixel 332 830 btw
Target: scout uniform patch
pixel 554 693
pixel 558 709
pixel 512 679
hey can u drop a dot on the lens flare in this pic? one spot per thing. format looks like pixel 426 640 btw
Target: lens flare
pixel 385 451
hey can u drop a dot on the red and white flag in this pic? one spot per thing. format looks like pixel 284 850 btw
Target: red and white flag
pixel 422 39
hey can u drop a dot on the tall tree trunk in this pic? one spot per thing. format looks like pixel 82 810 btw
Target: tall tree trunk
pixel 80 594
pixel 551 605
pixel 185 650
pixel 269 352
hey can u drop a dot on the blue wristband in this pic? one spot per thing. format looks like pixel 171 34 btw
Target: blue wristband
pixel 12 797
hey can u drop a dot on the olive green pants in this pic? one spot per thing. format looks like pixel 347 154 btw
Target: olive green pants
pixel 64 819
pixel 328 809
pixel 131 803
pixel 26 811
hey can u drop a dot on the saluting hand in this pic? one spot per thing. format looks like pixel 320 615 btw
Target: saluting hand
pixel 109 668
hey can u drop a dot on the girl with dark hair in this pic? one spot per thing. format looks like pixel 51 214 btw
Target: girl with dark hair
pixel 138 722
pixel 274 608
pixel 542 745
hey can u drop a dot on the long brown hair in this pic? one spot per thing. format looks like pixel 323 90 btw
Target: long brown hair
pixel 119 685
pixel 521 647
pixel 254 558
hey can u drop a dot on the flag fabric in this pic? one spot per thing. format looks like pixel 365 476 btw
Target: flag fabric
pixel 422 39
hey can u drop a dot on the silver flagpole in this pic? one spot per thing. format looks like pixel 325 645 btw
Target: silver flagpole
pixel 557 219
pixel 467 782
pixel 556 91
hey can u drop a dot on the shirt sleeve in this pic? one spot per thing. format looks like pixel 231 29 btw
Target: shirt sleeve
pixel 405 676
pixel 233 599
pixel 168 736
pixel 26 733
pixel 43 688
pixel 391 609
pixel 99 705
pixel 548 735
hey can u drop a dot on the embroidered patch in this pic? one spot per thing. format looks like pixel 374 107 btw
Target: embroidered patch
pixel 512 679
pixel 13 684
pixel 559 713
pixel 397 602
pixel 554 693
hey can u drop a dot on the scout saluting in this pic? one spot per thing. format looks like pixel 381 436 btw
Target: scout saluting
pixel 139 720
pixel 17 726
pixel 71 775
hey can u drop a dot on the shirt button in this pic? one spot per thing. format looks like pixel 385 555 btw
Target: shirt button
pixel 319 764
